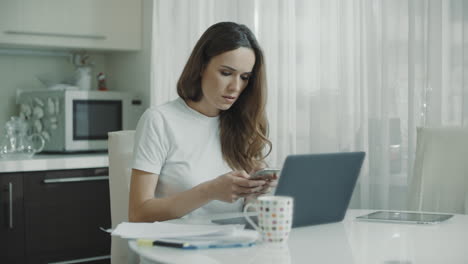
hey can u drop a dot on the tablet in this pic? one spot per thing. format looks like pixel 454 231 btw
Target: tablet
pixel 405 217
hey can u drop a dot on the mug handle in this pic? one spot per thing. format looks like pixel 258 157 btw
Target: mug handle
pixel 41 140
pixel 249 219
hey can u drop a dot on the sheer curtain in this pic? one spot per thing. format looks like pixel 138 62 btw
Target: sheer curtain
pixel 177 25
pixel 343 75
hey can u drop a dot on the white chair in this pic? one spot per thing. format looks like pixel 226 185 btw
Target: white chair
pixel 120 158
pixel 440 175
pixel 120 167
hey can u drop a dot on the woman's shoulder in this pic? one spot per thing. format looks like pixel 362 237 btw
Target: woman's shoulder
pixel 164 109
pixel 159 116
pixel 166 113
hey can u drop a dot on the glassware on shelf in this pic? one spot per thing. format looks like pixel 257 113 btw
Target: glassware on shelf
pixel 16 143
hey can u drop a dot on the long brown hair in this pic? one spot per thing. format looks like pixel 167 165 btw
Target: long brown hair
pixel 244 126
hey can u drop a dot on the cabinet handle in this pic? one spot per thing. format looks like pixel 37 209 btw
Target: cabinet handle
pixel 81 260
pixel 77 179
pixel 47 34
pixel 10 204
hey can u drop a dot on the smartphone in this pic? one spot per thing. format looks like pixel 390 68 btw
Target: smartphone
pixel 263 174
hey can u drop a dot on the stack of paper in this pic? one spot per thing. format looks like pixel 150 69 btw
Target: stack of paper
pixel 170 230
pixel 189 235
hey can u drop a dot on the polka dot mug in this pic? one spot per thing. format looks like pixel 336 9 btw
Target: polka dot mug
pixel 275 214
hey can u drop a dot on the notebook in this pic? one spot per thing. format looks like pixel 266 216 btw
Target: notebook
pixel 321 184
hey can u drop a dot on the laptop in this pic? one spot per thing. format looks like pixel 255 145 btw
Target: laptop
pixel 321 184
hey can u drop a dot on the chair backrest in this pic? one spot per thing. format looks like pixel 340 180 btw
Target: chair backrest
pixel 120 167
pixel 440 176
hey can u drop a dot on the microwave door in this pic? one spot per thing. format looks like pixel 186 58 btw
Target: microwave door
pixel 92 120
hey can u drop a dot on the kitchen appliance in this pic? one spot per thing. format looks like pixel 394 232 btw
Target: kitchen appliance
pixel 76 120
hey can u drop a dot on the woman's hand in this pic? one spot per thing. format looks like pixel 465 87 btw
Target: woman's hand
pixel 271 180
pixel 234 185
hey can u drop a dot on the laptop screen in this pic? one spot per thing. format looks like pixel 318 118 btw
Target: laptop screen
pixel 321 184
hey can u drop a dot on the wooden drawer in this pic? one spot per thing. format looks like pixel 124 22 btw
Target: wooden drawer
pixel 63 213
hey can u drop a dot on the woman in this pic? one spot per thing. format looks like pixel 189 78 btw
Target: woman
pixel 192 155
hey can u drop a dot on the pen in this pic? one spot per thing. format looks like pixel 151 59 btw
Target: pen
pixel 146 242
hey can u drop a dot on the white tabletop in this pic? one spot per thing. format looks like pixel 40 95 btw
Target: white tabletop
pixel 350 241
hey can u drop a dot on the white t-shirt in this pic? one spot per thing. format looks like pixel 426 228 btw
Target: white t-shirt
pixel 183 147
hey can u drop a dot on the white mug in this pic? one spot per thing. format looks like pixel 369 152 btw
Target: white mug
pixel 275 215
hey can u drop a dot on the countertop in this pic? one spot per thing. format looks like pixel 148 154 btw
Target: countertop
pixel 42 162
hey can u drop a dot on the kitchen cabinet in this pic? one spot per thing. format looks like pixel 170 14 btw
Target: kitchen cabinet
pixel 58 217
pixel 72 24
pixel 12 247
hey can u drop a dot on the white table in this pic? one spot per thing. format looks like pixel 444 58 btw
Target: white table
pixel 350 241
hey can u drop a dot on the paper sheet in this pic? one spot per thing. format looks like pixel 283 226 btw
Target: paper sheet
pixel 171 230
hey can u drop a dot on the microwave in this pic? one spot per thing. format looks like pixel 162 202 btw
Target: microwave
pixel 77 120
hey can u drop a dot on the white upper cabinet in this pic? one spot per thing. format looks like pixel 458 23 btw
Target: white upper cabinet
pixel 73 24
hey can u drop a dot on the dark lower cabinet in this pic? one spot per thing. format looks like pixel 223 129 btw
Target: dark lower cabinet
pixel 12 249
pixel 63 211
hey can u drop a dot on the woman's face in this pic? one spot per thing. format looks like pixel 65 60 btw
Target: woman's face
pixel 224 79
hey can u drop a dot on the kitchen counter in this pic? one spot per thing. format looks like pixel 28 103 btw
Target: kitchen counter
pixel 43 162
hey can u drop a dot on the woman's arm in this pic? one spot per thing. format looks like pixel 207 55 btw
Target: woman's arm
pixel 143 207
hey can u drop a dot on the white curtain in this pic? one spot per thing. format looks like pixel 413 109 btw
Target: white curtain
pixel 343 75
